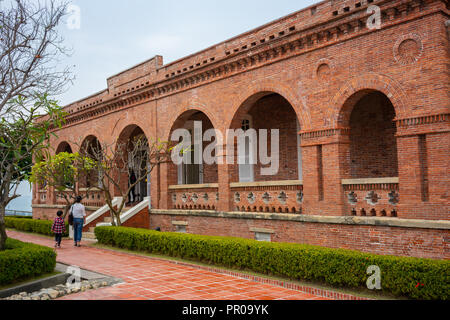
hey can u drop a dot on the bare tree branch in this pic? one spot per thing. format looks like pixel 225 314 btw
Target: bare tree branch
pixel 30 48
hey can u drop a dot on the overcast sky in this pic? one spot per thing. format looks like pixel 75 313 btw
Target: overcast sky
pixel 115 35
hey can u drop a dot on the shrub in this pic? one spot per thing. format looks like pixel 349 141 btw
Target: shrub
pixel 336 267
pixel 20 217
pixel 24 260
pixel 43 227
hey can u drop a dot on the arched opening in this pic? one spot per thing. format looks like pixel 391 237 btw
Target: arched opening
pixel 63 147
pixel 136 157
pixel 91 148
pixel 267 167
pixel 373 144
pixel 267 111
pixel 193 170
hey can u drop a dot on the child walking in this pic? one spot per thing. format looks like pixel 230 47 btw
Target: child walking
pixel 58 228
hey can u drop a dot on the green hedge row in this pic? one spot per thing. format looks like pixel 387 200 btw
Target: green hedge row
pixel 336 267
pixel 24 260
pixel 20 217
pixel 36 226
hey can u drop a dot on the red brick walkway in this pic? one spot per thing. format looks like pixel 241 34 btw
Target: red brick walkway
pixel 157 279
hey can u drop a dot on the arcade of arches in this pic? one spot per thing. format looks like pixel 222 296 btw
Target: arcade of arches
pixel 361 118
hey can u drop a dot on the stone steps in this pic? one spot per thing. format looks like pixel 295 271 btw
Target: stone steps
pixel 89 236
pixel 107 219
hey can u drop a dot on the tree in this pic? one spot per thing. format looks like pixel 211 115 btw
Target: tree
pixel 64 172
pixel 21 137
pixel 30 47
pixel 30 73
pixel 115 163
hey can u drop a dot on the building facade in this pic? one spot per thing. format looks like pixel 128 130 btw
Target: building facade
pixel 364 130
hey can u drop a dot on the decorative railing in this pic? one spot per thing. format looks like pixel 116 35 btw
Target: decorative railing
pixel 194 197
pixel 41 196
pixel 372 197
pixel 91 197
pixel 270 197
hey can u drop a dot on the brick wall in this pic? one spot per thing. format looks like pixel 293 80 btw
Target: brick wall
pixel 322 61
pixel 407 242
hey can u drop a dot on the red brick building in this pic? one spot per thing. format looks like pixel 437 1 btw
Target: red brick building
pixel 364 123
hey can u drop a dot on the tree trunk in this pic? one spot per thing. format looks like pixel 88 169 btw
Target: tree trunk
pixel 118 222
pixel 3 235
pixel 66 210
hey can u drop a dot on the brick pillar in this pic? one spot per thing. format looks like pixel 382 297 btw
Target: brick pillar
pixel 310 180
pixel 224 178
pixel 164 187
pixel 324 167
pixel 409 175
pixel 424 176
pixel 438 164
pixel 50 195
pixel 154 188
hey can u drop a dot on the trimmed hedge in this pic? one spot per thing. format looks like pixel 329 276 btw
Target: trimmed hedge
pixel 35 226
pixel 336 267
pixel 20 217
pixel 24 260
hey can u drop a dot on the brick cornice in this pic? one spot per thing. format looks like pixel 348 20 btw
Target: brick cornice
pixel 324 136
pixel 423 120
pixel 292 43
pixel 426 124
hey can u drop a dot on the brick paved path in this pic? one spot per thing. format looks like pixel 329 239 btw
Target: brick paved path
pixel 156 279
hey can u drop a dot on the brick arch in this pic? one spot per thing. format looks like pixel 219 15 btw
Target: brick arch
pixel 343 102
pixel 124 132
pixel 270 86
pixel 85 140
pixel 193 106
pixel 123 123
pixel 127 131
pixel 122 140
pixel 63 145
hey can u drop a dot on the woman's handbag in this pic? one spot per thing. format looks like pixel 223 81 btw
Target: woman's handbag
pixel 71 217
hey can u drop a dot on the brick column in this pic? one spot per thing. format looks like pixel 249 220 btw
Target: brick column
pixel 224 179
pixel 324 155
pixel 409 175
pixel 424 176
pixel 154 188
pixel 50 195
pixel 164 187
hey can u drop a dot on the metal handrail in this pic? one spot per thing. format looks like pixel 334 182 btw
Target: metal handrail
pixel 15 213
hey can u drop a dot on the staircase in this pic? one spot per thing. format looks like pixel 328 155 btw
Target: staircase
pixel 90 236
pixel 129 212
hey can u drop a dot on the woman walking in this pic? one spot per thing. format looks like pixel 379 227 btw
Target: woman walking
pixel 79 213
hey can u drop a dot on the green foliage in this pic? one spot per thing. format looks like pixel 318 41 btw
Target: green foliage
pixel 24 134
pixel 43 227
pixel 336 267
pixel 24 260
pixel 21 217
pixel 62 170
